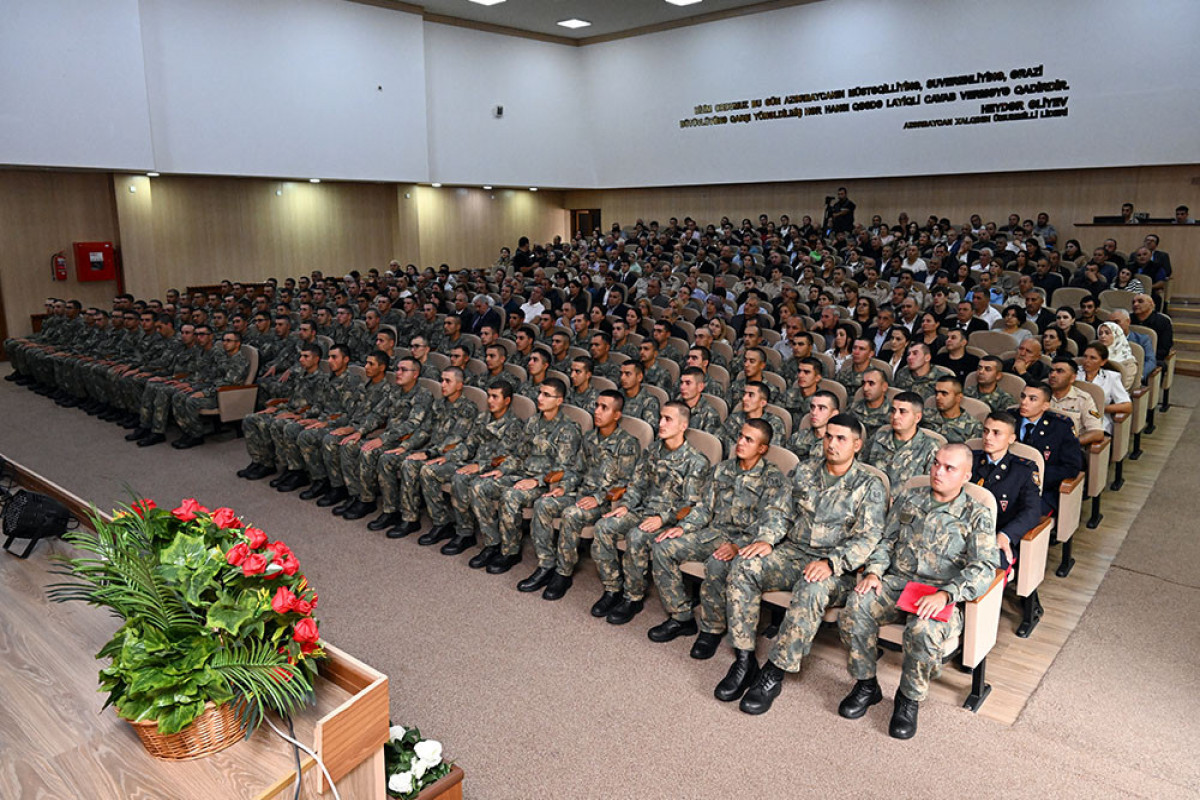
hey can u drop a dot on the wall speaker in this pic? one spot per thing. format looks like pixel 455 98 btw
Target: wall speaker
pixel 498 111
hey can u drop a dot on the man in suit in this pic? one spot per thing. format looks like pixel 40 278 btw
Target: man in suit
pixel 1052 435
pixel 484 315
pixel 966 321
pixel 1013 482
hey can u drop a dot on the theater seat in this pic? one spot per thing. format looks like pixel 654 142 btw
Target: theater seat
pixel 235 403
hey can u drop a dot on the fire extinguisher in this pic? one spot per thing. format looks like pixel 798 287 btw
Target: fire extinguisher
pixel 58 266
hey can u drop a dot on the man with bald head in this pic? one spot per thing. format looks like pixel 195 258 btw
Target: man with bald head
pixel 936 535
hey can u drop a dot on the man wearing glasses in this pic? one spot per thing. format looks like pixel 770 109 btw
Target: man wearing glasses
pixel 228 370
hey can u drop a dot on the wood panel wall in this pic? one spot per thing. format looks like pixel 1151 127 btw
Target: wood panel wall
pixel 1068 196
pixel 467 227
pixel 45 212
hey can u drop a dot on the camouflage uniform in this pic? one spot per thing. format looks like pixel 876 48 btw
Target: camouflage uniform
pixel 232 371
pixel 704 417
pixel 285 355
pixel 905 381
pixel 604 463
pixel 364 412
pixel 519 359
pixel 951 547
pixel 959 429
pixel 545 446
pixel 528 388
pixel 585 399
pixel 260 443
pixel 837 519
pixel 805 444
pixel 738 506
pixel 489 439
pixel 847 376
pixel 429 370
pixel 609 369
pixel 900 460
pixel 998 400
pixel 197 365
pixel 872 418
pixel 406 416
pixel 795 401
pixel 449 424
pixel 336 395
pixel 665 482
pixel 629 349
pixel 643 406
pixel 732 429
pixel 657 375
pixel 484 380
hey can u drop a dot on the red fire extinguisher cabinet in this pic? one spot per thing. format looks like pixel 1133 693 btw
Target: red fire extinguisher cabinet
pixel 95 261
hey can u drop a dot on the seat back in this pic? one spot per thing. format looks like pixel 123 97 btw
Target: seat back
pixel 523 407
pixel 252 363
pixel 994 342
pixel 974 491
pixel 582 418
pixel 706 443
pixel 639 428
pixel 782 458
pixel 719 404
pixel 477 396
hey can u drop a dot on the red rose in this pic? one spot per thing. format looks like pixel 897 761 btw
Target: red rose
pixel 255 538
pixel 188 510
pixel 280 550
pixel 302 607
pixel 305 631
pixel 255 564
pixel 142 506
pixel 284 601
pixel 308 647
pixel 314 600
pixel 290 564
pixel 225 518
pixel 237 554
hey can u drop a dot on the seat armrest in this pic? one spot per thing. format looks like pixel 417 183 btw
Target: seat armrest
pixel 1031 561
pixel 981 620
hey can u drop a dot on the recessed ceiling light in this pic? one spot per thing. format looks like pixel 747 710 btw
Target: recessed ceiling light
pixel 574 23
pixel 683 2
pixel 533 188
pixel 436 185
pixel 314 180
pixel 487 2
pixel 151 174
pixel 487 188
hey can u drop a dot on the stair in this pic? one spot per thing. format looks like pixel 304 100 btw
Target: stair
pixel 1185 316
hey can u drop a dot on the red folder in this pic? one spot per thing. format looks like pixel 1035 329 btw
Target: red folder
pixel 913 592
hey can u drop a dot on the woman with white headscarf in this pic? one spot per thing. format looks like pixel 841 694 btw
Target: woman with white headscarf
pixel 1120 355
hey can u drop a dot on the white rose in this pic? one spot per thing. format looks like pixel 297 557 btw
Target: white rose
pixel 396 732
pixel 418 769
pixel 401 782
pixel 429 751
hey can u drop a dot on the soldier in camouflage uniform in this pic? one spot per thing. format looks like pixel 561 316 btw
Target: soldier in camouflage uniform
pixel 603 365
pixel 902 450
pixel 654 373
pixel 808 380
pixel 949 419
pixel 671 478
pixel 182 357
pixel 494 358
pixel 582 393
pixel 936 535
pixel 338 394
pixel 638 402
pixel 549 445
pixel 535 368
pixel 919 375
pixel 754 363
pixel 420 351
pixel 451 418
pixel 808 441
pixel 197 364
pixel 704 338
pixel 855 369
pixel 838 512
pixel 366 465
pixel 987 386
pixel 692 383
pixel 160 361
pixel 607 459
pixel 320 445
pixel 621 342
pixel 18 349
pixel 277 358
pixel 872 409
pixel 260 444
pixel 187 407
pixel 755 397
pixel 560 353
pixel 524 337
pixel 139 350
pixel 353 336
pixel 748 501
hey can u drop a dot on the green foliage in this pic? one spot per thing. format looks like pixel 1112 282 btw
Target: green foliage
pixel 196 628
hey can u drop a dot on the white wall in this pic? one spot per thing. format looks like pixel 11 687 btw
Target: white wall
pixel 1131 70
pixel 72 85
pixel 286 88
pixel 541 140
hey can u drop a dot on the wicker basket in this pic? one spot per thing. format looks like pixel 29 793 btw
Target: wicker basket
pixel 214 730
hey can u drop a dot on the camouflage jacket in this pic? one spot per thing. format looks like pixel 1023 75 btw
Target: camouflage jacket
pixel 744 505
pixel 338 398
pixel 905 381
pixel 449 424
pixel 840 519
pixel 609 369
pixel 644 406
pixel 705 418
pixel 959 429
pixel 901 460
pixel 848 377
pixel 732 429
pixel 805 444
pixel 307 388
pixel 658 376
pixel 603 463
pixel 489 438
pixel 585 399
pixel 998 400
pixel 872 418
pixel 667 481
pixel 796 403
pixel 484 380
pixel 227 370
pixel 406 416
pixel 952 547
pixel 543 447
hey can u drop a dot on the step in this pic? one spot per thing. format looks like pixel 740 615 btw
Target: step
pixel 1187 343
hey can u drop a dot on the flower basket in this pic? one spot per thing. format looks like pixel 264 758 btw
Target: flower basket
pixel 214 730
pixel 447 787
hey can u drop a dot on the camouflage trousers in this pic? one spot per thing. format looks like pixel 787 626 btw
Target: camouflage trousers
pixel 783 569
pixel 432 476
pixel 923 638
pixel 562 555
pixel 130 389
pixel 635 563
pixel 397 477
pixel 187 411
pixel 285 434
pixel 668 557
pixel 513 503
pixel 271 388
pixel 484 504
pixel 259 444
pixel 362 470
pixel 311 444
pixel 15 350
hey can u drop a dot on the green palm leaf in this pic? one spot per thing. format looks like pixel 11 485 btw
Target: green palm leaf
pixel 255 672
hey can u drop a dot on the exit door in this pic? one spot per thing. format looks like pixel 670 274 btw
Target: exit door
pixel 585 221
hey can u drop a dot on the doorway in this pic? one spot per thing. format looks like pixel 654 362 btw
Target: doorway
pixel 585 221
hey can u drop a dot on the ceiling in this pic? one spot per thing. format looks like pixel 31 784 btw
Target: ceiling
pixel 608 17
